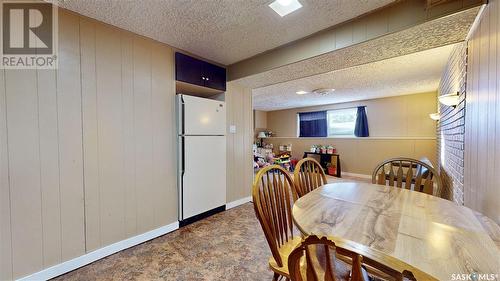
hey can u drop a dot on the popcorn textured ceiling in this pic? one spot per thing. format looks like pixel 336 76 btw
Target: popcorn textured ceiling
pixel 415 73
pixel 224 31
pixel 436 33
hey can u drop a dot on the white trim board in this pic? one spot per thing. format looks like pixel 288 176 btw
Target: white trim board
pixel 238 202
pixel 98 254
pixel 356 175
pixel 476 22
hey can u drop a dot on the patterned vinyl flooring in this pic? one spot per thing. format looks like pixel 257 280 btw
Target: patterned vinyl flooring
pixel 227 246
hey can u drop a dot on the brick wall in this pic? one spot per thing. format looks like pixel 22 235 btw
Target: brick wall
pixel 451 126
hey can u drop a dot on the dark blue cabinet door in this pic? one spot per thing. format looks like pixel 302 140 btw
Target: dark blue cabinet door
pixel 198 72
pixel 215 76
pixel 188 69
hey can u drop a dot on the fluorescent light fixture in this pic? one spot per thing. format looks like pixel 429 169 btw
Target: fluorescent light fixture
pixel 301 92
pixel 435 116
pixel 323 91
pixel 449 99
pixel 284 7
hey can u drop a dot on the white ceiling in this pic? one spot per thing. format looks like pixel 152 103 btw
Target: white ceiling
pixel 414 73
pixel 225 31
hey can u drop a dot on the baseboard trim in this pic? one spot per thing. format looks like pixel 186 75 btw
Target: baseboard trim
pixel 357 175
pixel 238 202
pixel 98 254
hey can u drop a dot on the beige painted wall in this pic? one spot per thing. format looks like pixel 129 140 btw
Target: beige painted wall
pixel 360 155
pixel 239 144
pixel 260 121
pixel 87 151
pixel 399 126
pixel 401 116
pixel 482 117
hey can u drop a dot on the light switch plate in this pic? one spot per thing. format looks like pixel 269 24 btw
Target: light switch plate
pixel 232 129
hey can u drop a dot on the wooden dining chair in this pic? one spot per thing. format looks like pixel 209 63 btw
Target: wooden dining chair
pixel 273 198
pixel 308 175
pixel 409 174
pixel 318 258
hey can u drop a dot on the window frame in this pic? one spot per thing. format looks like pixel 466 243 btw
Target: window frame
pixel 328 118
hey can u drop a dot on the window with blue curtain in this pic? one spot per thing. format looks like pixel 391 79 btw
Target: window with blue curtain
pixel 341 122
pixel 313 124
pixel 361 128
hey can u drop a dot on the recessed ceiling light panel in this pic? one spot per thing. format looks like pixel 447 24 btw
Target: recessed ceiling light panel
pixel 284 7
pixel 301 92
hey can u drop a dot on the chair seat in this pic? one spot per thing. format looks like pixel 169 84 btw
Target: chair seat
pixel 342 268
pixel 284 251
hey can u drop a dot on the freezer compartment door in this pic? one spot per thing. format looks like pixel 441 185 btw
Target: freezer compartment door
pixel 204 177
pixel 203 116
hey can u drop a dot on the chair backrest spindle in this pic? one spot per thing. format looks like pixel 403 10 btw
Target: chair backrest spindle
pixel 408 173
pixel 273 197
pixel 308 175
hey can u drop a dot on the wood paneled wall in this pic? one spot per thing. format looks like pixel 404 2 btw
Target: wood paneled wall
pixel 482 125
pixel 239 144
pixel 86 151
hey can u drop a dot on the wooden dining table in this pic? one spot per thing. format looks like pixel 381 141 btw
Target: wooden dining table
pixel 432 234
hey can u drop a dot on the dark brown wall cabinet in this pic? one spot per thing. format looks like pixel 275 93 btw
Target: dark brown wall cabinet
pixel 198 72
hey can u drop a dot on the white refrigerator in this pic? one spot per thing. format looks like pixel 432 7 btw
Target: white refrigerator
pixel 202 156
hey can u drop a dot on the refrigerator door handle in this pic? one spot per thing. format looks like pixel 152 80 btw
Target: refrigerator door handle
pixel 183 116
pixel 181 213
pixel 181 175
pixel 183 156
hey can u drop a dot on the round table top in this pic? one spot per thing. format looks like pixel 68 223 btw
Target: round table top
pixel 432 234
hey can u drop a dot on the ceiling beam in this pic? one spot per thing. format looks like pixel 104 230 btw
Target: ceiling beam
pixel 385 21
